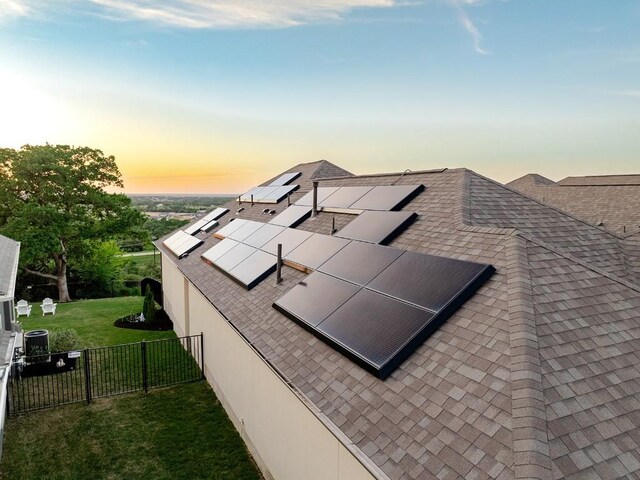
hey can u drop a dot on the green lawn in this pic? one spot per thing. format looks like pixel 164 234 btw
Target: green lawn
pixel 93 320
pixel 180 432
pixel 169 433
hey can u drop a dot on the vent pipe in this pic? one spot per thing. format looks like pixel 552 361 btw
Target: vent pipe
pixel 314 210
pixel 333 226
pixel 252 199
pixel 240 199
pixel 288 200
pixel 279 265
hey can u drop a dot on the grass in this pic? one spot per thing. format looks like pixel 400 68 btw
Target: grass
pixel 179 432
pixel 93 320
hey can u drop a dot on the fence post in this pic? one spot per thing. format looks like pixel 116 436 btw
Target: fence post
pixel 145 381
pixel 202 355
pixel 87 374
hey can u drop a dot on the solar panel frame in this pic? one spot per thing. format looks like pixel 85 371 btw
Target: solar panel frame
pixel 292 216
pixel 387 197
pixel 377 226
pixel 314 299
pixel 315 250
pixel 284 179
pixel 172 239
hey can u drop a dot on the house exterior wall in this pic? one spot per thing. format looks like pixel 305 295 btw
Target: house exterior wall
pixel 173 292
pixel 287 440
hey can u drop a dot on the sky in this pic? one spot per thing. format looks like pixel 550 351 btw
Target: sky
pixel 216 96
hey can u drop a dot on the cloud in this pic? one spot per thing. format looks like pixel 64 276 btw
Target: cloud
pixel 13 8
pixel 468 24
pixel 233 13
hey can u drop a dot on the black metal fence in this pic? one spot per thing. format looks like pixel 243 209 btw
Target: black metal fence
pixel 43 381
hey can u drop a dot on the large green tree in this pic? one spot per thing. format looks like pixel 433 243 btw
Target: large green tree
pixel 53 200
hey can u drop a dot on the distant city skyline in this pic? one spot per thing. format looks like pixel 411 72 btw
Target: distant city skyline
pixel 215 97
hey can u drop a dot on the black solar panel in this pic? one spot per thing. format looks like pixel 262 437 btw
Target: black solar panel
pixel 323 194
pixel 219 249
pixel 289 238
pixel 250 227
pixel 263 235
pixel 392 197
pixel 254 269
pixel 292 216
pixel 426 280
pixel 315 298
pixel 316 250
pixel 344 197
pixel 377 227
pixel 269 194
pixel 374 329
pixel 230 227
pixel 285 178
pixel 360 262
pixel 234 256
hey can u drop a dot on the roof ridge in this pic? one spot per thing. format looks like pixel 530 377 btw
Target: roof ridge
pixel 544 204
pixel 531 452
pixel 391 174
pixel 605 175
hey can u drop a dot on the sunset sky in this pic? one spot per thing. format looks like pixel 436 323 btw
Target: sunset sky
pixel 217 96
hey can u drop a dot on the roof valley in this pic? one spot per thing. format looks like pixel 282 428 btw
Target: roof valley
pixel 529 428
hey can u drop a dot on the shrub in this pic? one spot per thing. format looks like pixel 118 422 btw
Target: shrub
pixel 149 306
pixel 64 341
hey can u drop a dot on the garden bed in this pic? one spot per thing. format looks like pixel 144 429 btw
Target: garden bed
pixel 161 322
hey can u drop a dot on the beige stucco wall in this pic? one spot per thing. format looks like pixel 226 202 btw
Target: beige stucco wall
pixel 284 435
pixel 173 296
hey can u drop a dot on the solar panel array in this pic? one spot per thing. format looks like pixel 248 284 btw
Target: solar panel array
pixel 215 214
pixel 373 303
pixel 358 199
pixel 181 243
pixel 378 304
pixel 269 194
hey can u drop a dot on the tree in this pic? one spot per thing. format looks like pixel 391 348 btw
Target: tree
pixel 53 200
pixel 149 306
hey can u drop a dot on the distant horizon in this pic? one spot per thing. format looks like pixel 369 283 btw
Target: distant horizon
pixel 204 96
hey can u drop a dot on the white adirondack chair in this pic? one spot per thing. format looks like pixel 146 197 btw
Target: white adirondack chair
pixel 23 308
pixel 48 307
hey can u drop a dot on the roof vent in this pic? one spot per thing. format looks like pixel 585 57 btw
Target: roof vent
pixel 272 212
pixel 240 210
pixel 266 210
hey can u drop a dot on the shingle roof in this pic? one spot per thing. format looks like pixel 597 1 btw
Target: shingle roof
pixel 612 201
pixel 534 376
pixel 9 253
pixel 601 180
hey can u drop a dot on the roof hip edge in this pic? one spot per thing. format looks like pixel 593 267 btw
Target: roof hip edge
pixel 528 406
